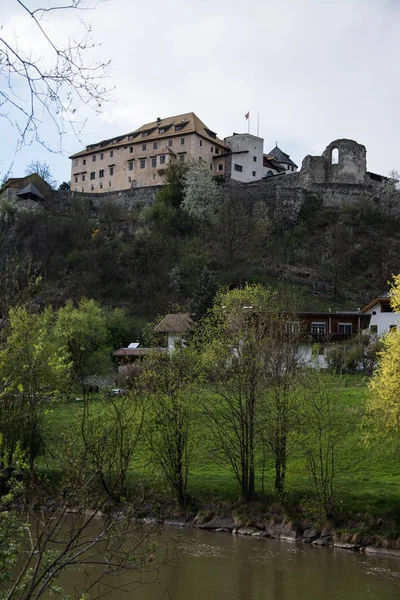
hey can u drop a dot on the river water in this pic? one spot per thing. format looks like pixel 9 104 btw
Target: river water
pixel 214 566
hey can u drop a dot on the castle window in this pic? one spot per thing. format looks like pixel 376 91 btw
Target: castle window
pixel 93 175
pixel 162 159
pixel 154 145
pixel 84 161
pixel 130 167
pixel 131 149
pixel 335 156
pixel 101 155
pixel 238 168
pixel 144 147
pixel 111 153
pixel 101 173
pixel 143 163
pixel 111 171
pixel 153 162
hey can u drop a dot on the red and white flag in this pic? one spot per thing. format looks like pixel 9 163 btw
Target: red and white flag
pixel 247 116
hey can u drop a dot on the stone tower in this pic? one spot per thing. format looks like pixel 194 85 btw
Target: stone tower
pixel 345 162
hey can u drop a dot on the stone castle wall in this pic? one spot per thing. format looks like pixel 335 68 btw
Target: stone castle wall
pixel 338 177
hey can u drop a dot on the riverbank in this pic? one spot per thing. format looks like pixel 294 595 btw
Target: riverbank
pixel 288 531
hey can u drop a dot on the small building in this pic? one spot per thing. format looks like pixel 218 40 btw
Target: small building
pixel 176 326
pixel 30 187
pixel 381 315
pixel 129 359
pixel 282 159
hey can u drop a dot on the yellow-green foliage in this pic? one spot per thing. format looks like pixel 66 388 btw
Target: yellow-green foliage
pixel 384 404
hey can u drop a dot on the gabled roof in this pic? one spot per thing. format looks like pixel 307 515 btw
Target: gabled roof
pixel 175 323
pixel 19 183
pixel 186 123
pixel 383 299
pixel 281 157
pixel 30 191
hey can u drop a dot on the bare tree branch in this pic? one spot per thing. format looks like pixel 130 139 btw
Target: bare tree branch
pixel 51 89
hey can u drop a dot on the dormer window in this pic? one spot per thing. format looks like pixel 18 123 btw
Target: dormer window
pixel 162 130
pixel 145 133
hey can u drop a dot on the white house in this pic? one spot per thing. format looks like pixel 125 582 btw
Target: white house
pixel 176 325
pixel 382 317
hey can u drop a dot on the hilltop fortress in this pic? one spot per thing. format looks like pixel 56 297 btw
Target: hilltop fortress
pixel 336 178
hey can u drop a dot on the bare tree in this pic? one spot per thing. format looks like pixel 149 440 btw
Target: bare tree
pixel 48 87
pixel 43 170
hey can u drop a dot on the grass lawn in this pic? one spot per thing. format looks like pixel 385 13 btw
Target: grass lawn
pixel 367 479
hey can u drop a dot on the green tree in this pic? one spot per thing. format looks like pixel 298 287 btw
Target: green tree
pixel 83 330
pixel 34 368
pixel 384 404
pixel 237 338
pixel 321 426
pixel 203 295
pixel 171 384
pixel 65 186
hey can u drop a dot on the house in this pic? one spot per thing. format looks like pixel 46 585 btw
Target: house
pixel 176 325
pixel 129 359
pixel 319 330
pixel 140 158
pixel 282 159
pixel 381 315
pixel 30 187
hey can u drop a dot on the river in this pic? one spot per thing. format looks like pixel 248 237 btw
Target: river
pixel 214 566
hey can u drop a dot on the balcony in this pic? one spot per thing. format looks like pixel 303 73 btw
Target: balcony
pixel 326 338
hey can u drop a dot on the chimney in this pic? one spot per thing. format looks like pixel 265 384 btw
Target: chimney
pixel 158 119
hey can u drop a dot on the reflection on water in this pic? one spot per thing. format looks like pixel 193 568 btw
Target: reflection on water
pixel 215 566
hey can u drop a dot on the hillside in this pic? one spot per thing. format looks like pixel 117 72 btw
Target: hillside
pixel 149 259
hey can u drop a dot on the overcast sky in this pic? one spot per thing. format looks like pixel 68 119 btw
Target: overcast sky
pixel 314 70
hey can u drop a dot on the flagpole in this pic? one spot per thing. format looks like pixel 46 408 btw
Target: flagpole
pixel 258 124
pixel 248 124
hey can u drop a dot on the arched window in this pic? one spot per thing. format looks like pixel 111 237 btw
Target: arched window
pixel 269 173
pixel 335 156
